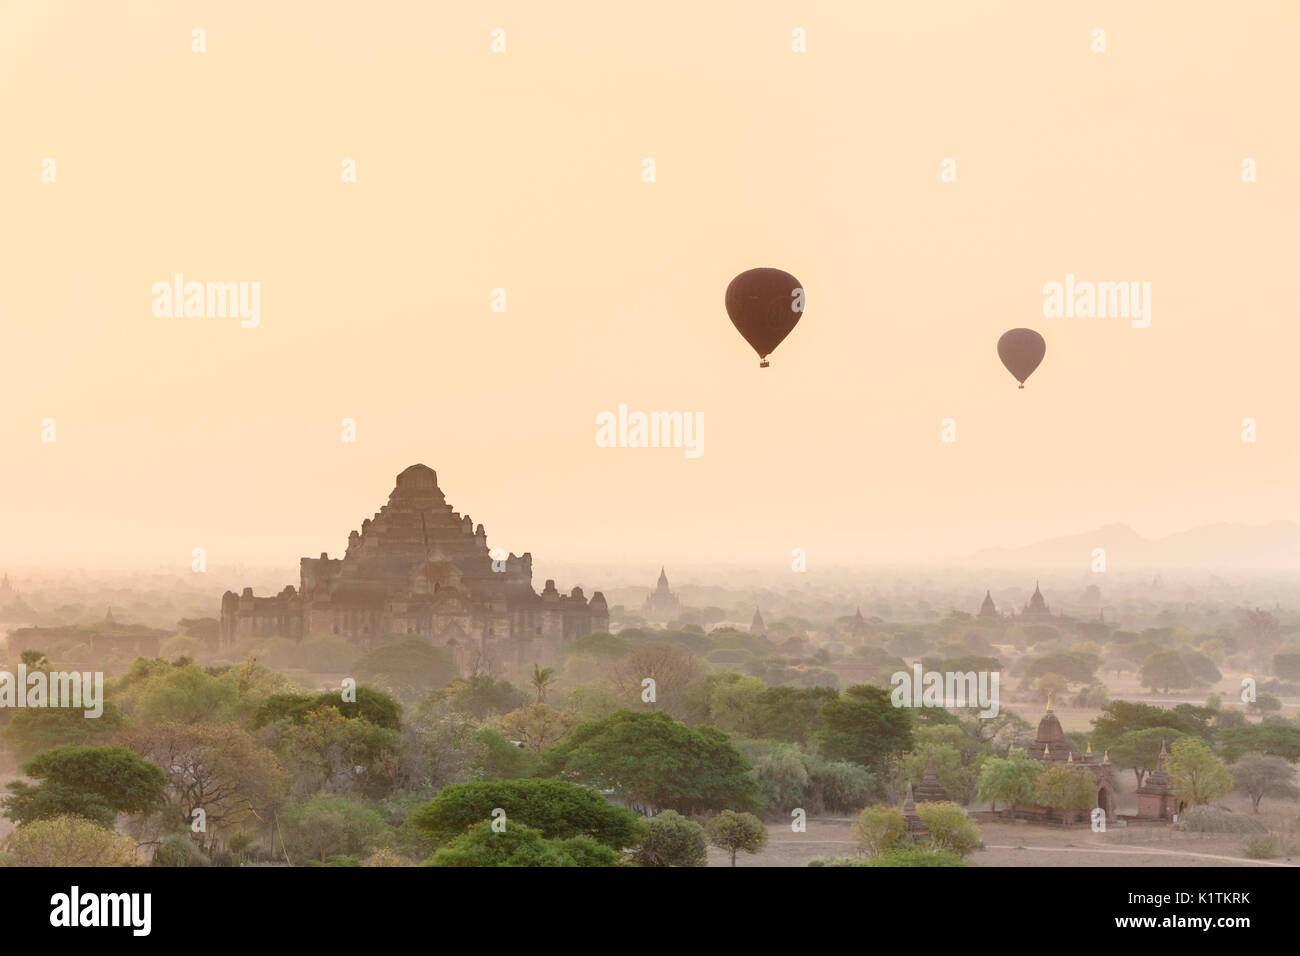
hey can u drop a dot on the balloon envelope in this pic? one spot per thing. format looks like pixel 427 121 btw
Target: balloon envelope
pixel 765 305
pixel 1021 350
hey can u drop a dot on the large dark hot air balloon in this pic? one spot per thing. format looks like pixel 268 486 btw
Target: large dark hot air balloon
pixel 1021 350
pixel 764 305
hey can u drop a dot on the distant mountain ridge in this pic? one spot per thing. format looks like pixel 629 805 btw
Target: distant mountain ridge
pixel 1229 546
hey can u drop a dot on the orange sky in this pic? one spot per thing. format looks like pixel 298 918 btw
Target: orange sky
pixel 522 171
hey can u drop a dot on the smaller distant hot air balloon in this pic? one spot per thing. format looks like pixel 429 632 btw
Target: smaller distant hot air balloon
pixel 764 305
pixel 1021 351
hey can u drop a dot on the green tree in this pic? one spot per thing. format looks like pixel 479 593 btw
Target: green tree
pixel 330 825
pixel 1165 670
pixel 863 726
pixel 324 751
pixel 653 759
pixel 734 832
pixel 92 782
pixel 370 705
pixel 672 840
pixel 1009 779
pixel 878 829
pixel 32 730
pixel 1065 789
pixel 1120 716
pixel 1139 750
pixel 481 696
pixel 554 808
pixel 782 778
pixel 1279 740
pixel 792 714
pixel 499 759
pixel 1196 775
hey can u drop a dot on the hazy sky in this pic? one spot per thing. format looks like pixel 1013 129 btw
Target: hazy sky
pixel 523 171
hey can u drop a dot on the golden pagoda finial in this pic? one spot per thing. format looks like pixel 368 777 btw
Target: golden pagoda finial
pixel 1049 701
pixel 1106 758
pixel 1045 751
pixel 1089 748
pixel 1069 758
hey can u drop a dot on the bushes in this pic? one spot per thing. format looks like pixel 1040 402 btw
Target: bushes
pixel 1260 847
pixel 842 786
pixel 782 779
pixel 178 850
pixel 950 828
pixel 69 841
pixel 879 829
pixel 672 840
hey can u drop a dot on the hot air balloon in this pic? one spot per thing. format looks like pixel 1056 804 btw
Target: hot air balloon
pixel 1021 350
pixel 764 305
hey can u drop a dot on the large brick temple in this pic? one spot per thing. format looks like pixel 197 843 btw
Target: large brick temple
pixel 419 568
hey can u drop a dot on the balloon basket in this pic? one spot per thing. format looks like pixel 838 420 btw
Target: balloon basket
pixel 764 364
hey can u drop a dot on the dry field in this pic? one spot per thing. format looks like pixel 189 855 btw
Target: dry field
pixel 1024 844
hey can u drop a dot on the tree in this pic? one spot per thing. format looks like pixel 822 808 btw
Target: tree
pixel 950 828
pixel 1259 776
pixel 1120 716
pixel 1279 740
pixel 792 714
pixel 1196 775
pixel 1139 750
pixel 369 704
pixel 734 832
pixel 782 778
pixel 499 759
pixel 842 786
pixel 672 840
pixel 878 829
pixel 674 673
pixel 538 725
pixel 1009 779
pixel 863 726
pixel 92 782
pixel 479 697
pixel 32 730
pixel 69 841
pixel 520 845
pixel 217 768
pixel 542 678
pixel 554 808
pixel 330 825
pixel 652 759
pixel 325 750
pixel 1164 670
pixel 1064 789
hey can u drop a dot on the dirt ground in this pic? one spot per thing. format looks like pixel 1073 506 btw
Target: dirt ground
pixel 1012 844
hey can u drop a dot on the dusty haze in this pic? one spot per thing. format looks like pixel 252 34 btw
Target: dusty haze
pixel 522 171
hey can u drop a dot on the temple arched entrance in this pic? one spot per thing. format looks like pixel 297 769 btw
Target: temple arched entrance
pixel 1106 800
